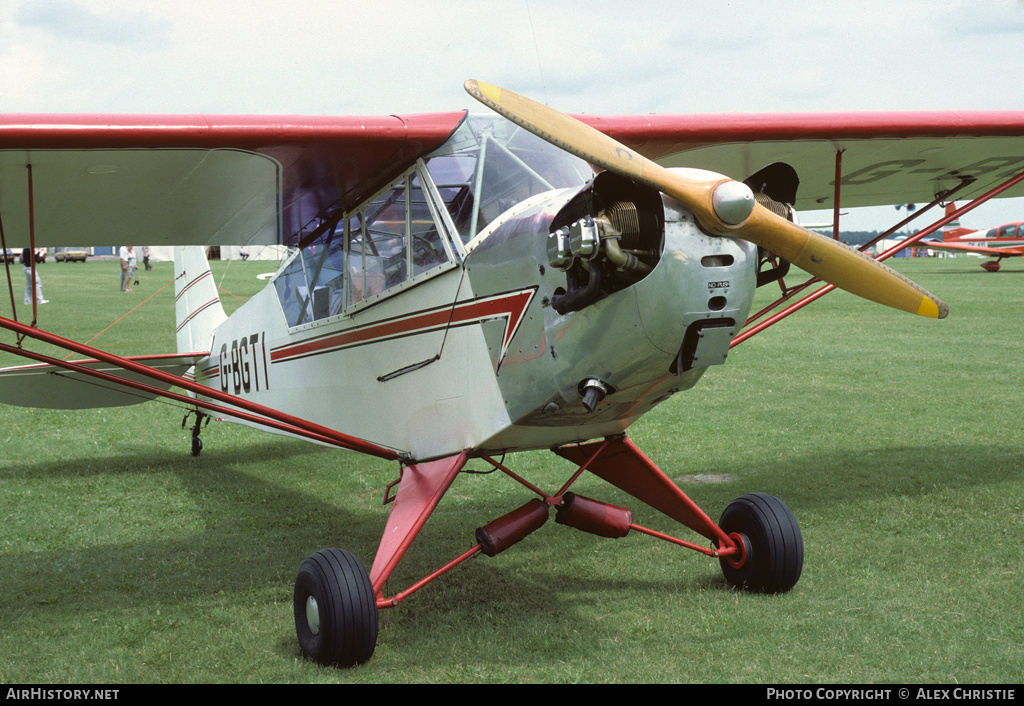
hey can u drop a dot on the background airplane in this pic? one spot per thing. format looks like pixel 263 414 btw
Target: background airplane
pixel 1002 241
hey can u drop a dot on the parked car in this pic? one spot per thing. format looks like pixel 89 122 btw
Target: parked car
pixel 71 254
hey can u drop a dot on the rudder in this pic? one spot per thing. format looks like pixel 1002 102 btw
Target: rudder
pixel 953 230
pixel 197 307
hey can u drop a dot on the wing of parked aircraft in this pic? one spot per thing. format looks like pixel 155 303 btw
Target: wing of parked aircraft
pixel 947 246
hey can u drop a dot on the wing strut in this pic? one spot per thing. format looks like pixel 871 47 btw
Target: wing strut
pixel 32 253
pixel 269 417
pixel 7 267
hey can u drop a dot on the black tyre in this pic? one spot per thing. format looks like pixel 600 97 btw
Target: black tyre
pixel 774 546
pixel 335 609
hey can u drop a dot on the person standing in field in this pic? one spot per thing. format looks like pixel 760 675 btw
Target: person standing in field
pixel 127 255
pixel 26 260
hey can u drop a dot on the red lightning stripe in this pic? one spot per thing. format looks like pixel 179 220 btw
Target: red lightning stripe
pixel 510 306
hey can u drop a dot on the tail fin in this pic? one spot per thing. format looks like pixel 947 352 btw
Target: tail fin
pixel 196 302
pixel 953 230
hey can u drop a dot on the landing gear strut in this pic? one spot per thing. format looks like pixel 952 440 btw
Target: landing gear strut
pixel 757 542
pixel 197 443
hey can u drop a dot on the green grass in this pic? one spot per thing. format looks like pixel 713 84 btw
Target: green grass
pixel 897 441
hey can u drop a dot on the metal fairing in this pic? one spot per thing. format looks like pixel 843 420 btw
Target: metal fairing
pixel 630 339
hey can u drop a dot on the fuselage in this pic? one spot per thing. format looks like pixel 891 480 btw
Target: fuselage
pixel 496 297
pixel 1005 236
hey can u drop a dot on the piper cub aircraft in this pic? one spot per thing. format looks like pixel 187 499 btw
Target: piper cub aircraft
pixel 468 286
pixel 1002 241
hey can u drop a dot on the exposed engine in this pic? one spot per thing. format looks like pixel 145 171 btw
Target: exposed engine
pixel 605 239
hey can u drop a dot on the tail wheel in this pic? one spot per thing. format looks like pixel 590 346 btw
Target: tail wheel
pixel 774 547
pixel 335 609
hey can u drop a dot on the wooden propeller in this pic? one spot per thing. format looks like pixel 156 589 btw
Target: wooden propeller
pixel 721 205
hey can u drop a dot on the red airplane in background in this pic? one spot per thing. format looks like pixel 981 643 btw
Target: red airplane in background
pixel 1002 241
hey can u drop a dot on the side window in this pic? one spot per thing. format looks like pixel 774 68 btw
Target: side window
pixel 289 283
pixel 453 175
pixel 311 286
pixel 427 250
pixel 393 239
pixel 387 242
pixel 365 265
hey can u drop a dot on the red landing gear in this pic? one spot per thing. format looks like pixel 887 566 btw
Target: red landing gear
pixel 991 265
pixel 757 541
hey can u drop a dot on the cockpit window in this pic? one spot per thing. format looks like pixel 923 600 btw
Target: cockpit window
pixel 311 285
pixel 390 241
pixel 490 165
pixel 407 233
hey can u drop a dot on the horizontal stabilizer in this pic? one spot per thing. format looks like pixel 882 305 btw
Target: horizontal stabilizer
pixel 53 387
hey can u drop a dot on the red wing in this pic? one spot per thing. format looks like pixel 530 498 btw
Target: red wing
pixel 92 180
pixel 101 180
pixel 887 158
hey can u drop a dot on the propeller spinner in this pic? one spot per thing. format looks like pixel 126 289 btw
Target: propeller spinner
pixel 721 205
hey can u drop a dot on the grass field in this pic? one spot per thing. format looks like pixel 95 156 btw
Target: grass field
pixel 897 441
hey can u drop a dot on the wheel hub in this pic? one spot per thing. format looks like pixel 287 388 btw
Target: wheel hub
pixel 738 559
pixel 312 615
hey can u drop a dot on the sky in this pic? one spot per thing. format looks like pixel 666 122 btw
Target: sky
pixel 342 57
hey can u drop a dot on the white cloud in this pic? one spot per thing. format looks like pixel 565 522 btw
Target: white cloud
pixel 68 20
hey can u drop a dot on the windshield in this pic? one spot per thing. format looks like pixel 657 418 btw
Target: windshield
pixel 490 164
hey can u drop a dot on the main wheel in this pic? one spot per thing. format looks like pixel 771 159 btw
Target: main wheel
pixel 774 548
pixel 335 609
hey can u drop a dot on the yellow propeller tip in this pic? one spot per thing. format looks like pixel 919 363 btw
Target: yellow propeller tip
pixel 479 89
pixel 934 308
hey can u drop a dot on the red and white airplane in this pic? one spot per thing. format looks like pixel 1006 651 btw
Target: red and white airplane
pixel 466 286
pixel 1002 241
